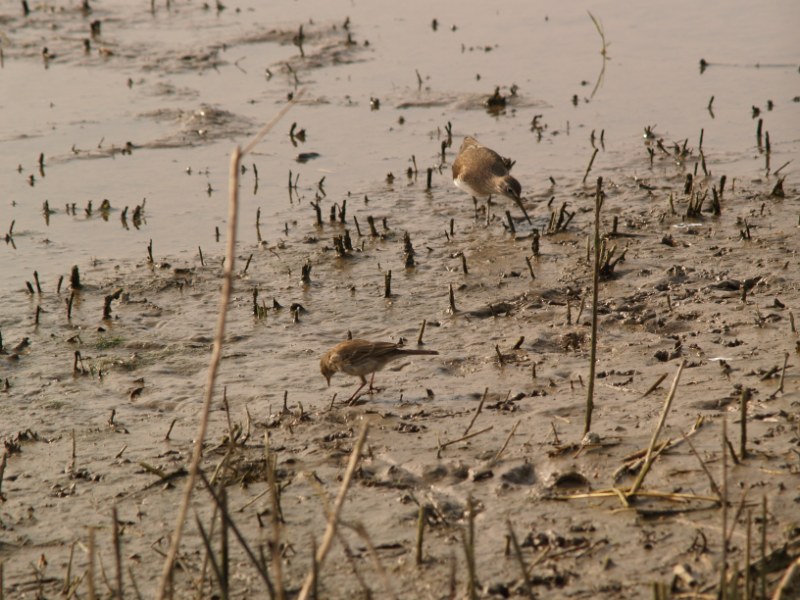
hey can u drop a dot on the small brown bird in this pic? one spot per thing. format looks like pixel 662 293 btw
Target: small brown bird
pixel 482 173
pixel 360 358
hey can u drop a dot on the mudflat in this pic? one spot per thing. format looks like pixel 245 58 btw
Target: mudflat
pixel 474 475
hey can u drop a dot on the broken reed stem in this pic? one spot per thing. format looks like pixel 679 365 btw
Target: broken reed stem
pixel 90 593
pixel 333 518
pixel 314 568
pixel 421 332
pixel 743 399
pixel 169 431
pixel 598 202
pixel 277 531
pixel 66 586
pixel 589 168
pixel 387 284
pixel 117 552
pixel 653 387
pixel 518 554
pixel 723 571
pixel 763 570
pixel 210 556
pixel 783 372
pixel 705 468
pixel 505 444
pixel 465 437
pixel 737 515
pixel 224 551
pixel 510 221
pixel 530 267
pixel 747 553
pixel 469 550
pixel 216 354
pixel 648 460
pixel 3 462
pixel 477 412
pixel 420 533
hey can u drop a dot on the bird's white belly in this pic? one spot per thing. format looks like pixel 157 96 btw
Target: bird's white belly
pixel 465 187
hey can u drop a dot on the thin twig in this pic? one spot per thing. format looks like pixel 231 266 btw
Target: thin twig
pixel 465 437
pixel 705 468
pixel 653 387
pixel 477 412
pixel 505 444
pixel 518 553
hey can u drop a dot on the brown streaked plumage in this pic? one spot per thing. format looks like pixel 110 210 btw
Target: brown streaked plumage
pixel 482 173
pixel 361 358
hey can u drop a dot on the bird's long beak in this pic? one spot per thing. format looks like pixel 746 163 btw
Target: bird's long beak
pixel 518 200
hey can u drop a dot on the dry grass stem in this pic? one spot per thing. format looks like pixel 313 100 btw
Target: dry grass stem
pixel 520 560
pixel 216 354
pixel 598 203
pixel 420 533
pixel 614 493
pixel 505 444
pixel 723 570
pixel 464 437
pixel 477 411
pixel 711 481
pixel 787 586
pixel 648 461
pixel 333 518
pixel 364 535
pixel 117 552
pixel 653 387
pixel 221 505
pixel 90 592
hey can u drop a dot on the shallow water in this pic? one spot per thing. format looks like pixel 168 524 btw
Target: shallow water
pixel 549 50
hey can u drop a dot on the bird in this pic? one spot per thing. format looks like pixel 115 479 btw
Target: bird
pixel 361 358
pixel 482 173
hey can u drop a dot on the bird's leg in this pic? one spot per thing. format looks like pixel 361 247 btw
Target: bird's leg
pixel 488 209
pixel 372 389
pixel 355 394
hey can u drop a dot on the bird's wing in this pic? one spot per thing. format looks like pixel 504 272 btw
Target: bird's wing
pixel 362 350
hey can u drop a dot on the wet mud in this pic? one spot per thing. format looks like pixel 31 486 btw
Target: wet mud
pixel 475 478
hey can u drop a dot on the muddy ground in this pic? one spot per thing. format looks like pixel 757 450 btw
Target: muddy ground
pixel 101 391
